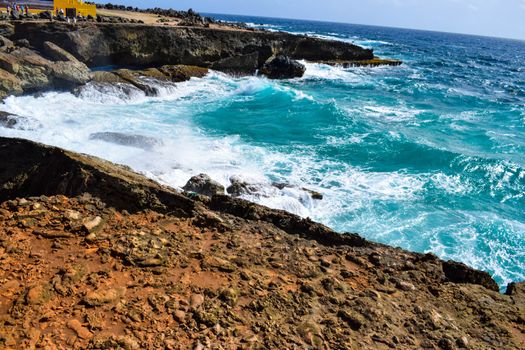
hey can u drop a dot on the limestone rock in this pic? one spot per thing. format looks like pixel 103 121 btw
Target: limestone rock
pixel 81 331
pixel 461 273
pixel 56 53
pixel 282 67
pixel 138 141
pixel 5 43
pixel 103 296
pixel 9 84
pixel 203 184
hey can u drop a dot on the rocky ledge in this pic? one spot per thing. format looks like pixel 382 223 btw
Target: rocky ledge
pixel 95 256
pixel 40 55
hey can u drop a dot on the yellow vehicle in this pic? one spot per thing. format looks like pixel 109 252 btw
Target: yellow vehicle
pixel 71 8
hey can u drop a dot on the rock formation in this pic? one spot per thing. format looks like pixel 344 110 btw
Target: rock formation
pixel 95 256
pixel 25 70
pixel 39 55
pixel 146 45
pixel 282 67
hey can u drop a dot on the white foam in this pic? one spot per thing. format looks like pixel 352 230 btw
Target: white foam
pixel 355 199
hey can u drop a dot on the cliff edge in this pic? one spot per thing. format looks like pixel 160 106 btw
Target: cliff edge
pixel 96 256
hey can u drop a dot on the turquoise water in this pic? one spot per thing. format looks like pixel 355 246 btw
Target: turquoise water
pixel 428 156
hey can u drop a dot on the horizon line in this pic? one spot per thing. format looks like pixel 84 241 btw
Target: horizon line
pixel 370 25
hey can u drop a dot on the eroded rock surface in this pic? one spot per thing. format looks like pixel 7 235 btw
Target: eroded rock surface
pixel 132 264
pixel 145 45
pixel 282 67
pixel 23 69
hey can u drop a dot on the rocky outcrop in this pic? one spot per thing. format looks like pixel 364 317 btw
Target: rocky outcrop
pixel 204 185
pixel 147 80
pixel 30 169
pixel 282 67
pixel 90 247
pixel 131 140
pixel 37 56
pixel 11 121
pixel 23 69
pixel 144 45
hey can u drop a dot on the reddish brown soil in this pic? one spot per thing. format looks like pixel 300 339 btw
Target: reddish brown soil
pixel 152 281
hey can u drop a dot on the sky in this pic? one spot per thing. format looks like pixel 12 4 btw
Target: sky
pixel 500 18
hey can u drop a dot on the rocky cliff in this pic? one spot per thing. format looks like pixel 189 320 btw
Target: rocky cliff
pixel 40 55
pixel 95 256
pixel 146 45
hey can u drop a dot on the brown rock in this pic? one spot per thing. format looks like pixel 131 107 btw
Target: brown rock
pixel 353 320
pixel 81 331
pixel 101 297
pixel 180 316
pixel 39 295
pixel 92 224
pixel 196 300
pixel 56 53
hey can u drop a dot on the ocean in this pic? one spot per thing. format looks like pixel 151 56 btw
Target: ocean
pixel 427 156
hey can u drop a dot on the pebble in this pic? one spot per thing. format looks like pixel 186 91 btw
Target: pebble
pixel 80 330
pixel 91 237
pixel 37 295
pixel 100 297
pixel 462 342
pixel 180 316
pixel 23 202
pixel 72 215
pixel 91 225
pixel 196 300
pixel 405 286
pixel 353 320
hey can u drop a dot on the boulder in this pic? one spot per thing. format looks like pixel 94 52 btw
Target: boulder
pixel 133 78
pixel 56 53
pixel 460 273
pixel 106 77
pixel 137 141
pixel 516 289
pixel 69 74
pixel 313 194
pixel 203 184
pixel 32 69
pixel 9 84
pixel 7 120
pixel 282 67
pixel 9 63
pixel 11 121
pixel 23 43
pixel 7 29
pixel 240 187
pixel 179 73
pixel 5 43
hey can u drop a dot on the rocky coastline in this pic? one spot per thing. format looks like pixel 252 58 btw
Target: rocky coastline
pixel 95 256
pixel 36 56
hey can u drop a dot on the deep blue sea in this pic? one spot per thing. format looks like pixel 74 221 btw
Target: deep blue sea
pixel 428 156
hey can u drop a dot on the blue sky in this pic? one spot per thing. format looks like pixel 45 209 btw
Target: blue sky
pixel 501 18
